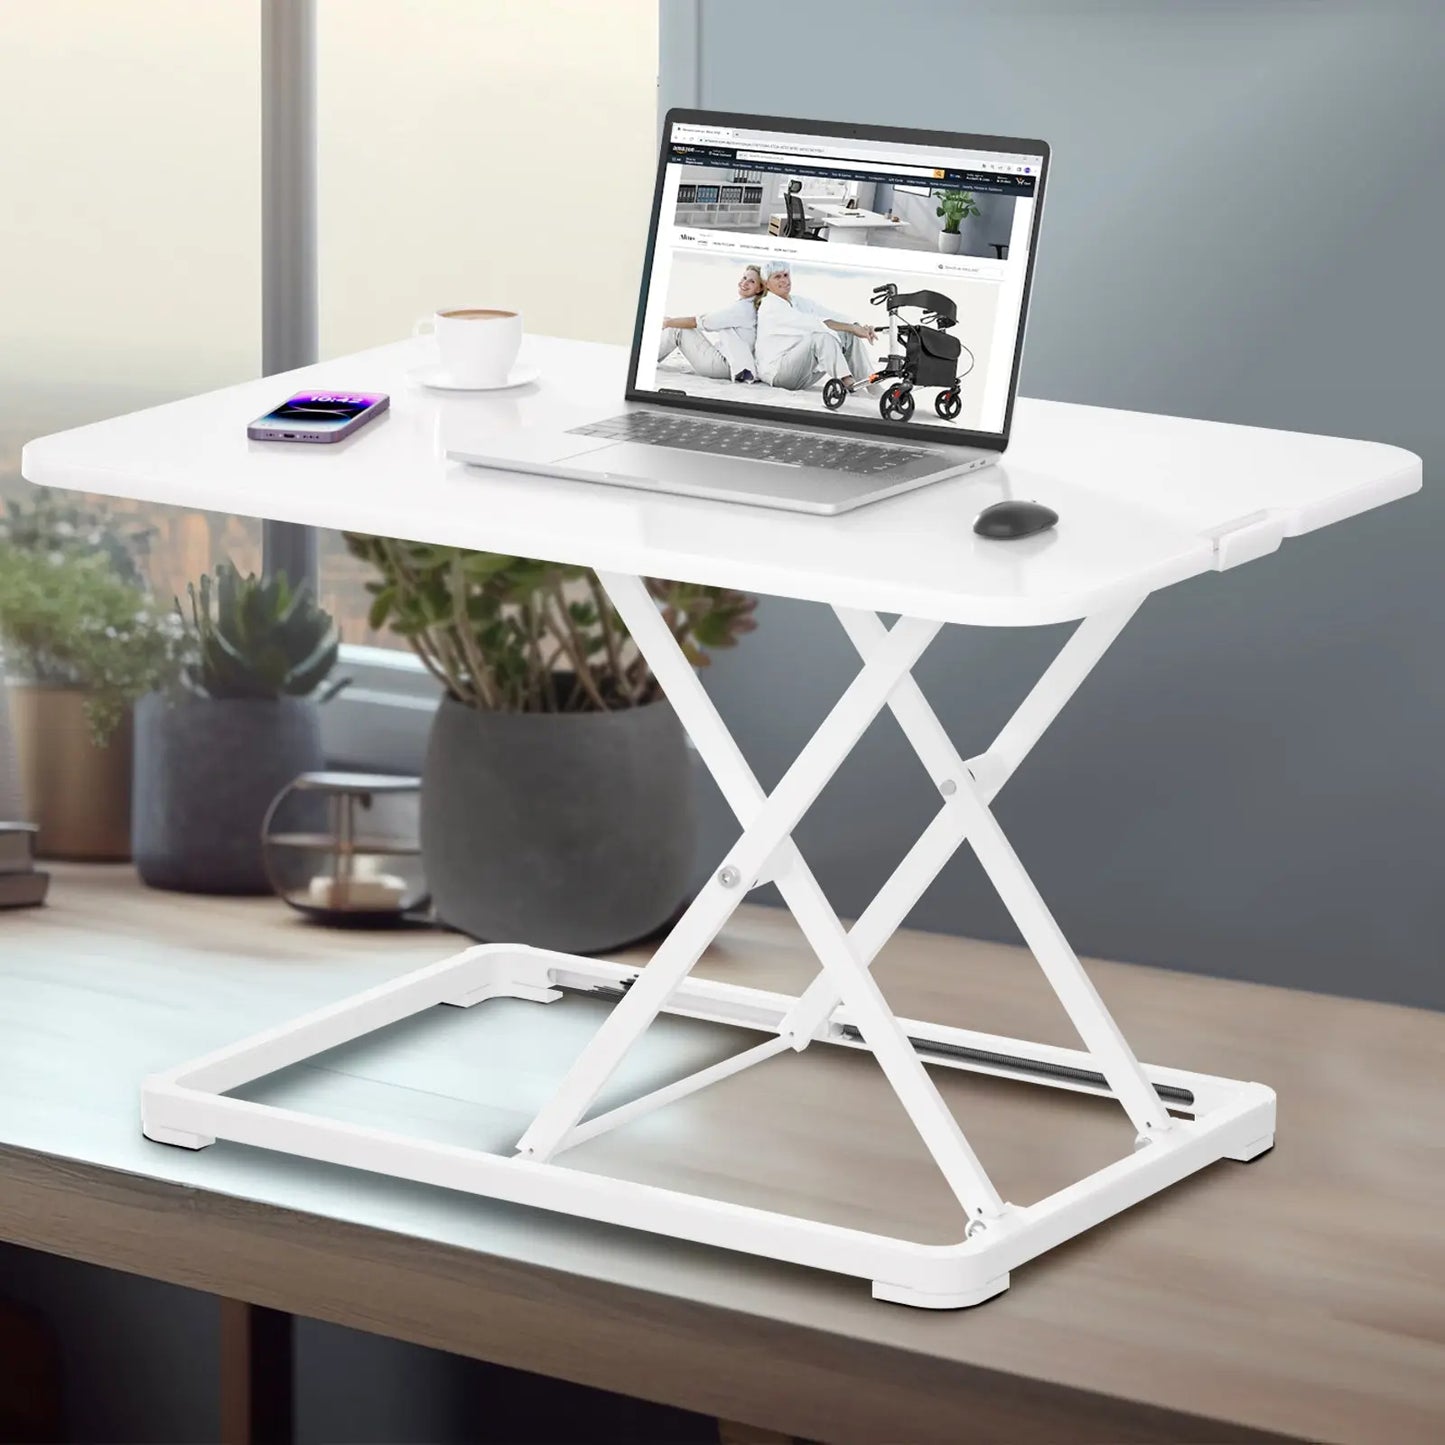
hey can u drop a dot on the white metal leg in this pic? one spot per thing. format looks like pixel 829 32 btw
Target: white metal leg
pixel 843 1007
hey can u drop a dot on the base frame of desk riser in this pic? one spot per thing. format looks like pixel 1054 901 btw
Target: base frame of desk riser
pixel 187 1107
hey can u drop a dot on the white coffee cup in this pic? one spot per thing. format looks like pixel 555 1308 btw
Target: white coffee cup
pixel 478 344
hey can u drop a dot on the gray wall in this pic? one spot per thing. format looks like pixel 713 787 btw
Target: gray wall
pixel 1245 223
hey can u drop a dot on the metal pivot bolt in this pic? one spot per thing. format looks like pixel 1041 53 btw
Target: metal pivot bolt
pixel 948 787
pixel 975 1228
pixel 729 877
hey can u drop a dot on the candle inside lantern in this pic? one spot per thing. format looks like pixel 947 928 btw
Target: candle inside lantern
pixel 364 891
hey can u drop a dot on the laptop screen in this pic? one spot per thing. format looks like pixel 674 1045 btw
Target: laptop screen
pixel 841 276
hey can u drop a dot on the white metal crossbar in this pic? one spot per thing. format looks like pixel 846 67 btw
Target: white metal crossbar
pixel 843 1006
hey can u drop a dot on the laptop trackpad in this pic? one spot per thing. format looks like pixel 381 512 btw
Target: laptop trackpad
pixel 677 468
pixel 532 446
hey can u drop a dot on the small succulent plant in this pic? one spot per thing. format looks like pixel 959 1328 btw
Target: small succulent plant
pixel 257 638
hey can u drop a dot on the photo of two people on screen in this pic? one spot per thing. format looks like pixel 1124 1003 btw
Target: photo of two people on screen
pixel 773 334
pixel 775 331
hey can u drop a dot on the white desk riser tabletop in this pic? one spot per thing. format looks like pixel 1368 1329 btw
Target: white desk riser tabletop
pixel 1142 499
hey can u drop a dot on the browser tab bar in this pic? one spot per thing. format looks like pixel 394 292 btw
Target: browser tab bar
pixel 827 163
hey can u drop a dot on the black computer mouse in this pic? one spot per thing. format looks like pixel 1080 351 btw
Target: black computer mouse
pixel 1007 521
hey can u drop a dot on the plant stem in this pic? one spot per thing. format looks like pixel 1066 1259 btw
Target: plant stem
pixel 459 679
pixel 609 638
pixel 576 650
pixel 539 679
pixel 448 666
pixel 427 647
pixel 461 629
pixel 436 670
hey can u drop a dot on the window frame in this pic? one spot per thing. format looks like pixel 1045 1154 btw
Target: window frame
pixel 380 721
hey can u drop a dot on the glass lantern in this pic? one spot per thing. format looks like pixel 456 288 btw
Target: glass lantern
pixel 343 848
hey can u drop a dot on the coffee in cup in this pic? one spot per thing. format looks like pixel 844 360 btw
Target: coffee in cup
pixel 477 344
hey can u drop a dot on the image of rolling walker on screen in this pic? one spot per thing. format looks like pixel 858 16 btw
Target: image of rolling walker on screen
pixel 776 331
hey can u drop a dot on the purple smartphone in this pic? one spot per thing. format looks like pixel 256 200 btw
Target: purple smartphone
pixel 318 416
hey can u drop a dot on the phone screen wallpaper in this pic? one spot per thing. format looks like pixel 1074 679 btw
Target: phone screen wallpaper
pixel 322 408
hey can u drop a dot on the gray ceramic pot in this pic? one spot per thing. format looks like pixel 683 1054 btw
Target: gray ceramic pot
pixel 205 772
pixel 573 831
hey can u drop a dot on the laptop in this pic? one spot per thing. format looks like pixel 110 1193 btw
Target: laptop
pixel 830 315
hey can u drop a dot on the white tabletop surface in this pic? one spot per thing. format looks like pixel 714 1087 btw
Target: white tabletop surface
pixel 1141 498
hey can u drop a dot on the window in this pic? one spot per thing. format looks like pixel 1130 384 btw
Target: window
pixel 457 167
pixel 137 227
pixel 130 238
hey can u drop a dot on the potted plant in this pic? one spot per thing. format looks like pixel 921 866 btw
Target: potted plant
pixel 82 642
pixel 241 723
pixel 954 207
pixel 557 795
pixel 47 521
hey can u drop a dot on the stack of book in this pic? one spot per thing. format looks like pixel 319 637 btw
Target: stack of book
pixel 22 884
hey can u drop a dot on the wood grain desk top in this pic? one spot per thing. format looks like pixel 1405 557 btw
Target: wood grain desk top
pixel 1299 1296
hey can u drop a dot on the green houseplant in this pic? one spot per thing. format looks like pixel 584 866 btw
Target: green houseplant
pixel 69 621
pixel 82 640
pixel 955 207
pixel 242 722
pixel 509 634
pixel 557 797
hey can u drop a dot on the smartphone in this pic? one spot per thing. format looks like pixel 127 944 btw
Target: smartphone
pixel 318 416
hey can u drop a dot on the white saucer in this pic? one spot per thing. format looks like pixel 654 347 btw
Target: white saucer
pixel 434 377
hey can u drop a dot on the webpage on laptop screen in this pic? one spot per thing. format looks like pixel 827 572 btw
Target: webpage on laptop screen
pixel 778 257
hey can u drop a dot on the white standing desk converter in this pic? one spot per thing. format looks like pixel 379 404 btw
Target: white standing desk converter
pixel 844 218
pixel 1144 501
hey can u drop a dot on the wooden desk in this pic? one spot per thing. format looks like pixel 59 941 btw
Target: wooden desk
pixel 1299 1296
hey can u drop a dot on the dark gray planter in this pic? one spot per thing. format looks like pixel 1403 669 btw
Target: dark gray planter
pixel 205 772
pixel 573 831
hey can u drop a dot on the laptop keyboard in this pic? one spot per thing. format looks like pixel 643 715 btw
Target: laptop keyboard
pixel 794 448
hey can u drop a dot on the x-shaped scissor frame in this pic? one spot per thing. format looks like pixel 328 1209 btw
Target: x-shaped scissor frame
pixel 766 850
pixel 843 1005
